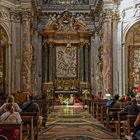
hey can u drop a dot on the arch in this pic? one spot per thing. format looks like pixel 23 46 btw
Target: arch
pixel 4 40
pixel 128 27
pixel 132 56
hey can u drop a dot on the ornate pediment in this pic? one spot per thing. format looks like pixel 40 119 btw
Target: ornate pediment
pixel 66 22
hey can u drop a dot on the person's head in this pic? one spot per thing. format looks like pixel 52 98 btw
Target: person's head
pixel 134 102
pixel 9 107
pixel 10 99
pixel 29 97
pixel 116 97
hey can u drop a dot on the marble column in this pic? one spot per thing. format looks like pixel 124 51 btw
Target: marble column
pixel 81 62
pixel 18 52
pixel 39 64
pixel 107 54
pixel 115 53
pixel 50 62
pixel 92 64
pixel 26 53
pixel 45 64
pixel 86 63
pixel 13 51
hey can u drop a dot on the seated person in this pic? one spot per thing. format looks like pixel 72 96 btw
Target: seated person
pixel 10 116
pixel 132 109
pixel 100 96
pixel 31 106
pixel 136 134
pixel 116 103
pixel 10 99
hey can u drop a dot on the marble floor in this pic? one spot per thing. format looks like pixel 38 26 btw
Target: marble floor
pixel 74 123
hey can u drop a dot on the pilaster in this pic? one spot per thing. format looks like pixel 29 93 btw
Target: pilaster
pixel 107 53
pixel 26 52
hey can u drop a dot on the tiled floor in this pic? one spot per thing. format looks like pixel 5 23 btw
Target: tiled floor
pixel 74 123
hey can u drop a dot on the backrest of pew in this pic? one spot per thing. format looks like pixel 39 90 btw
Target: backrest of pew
pixel 27 117
pixel 122 117
pixel 103 114
pixel 98 109
pixel 95 106
pixel 130 123
pixel 7 125
pixel 112 116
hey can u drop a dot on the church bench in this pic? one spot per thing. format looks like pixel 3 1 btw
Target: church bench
pixel 103 114
pixel 89 106
pixel 111 117
pixel 7 125
pixel 98 109
pixel 93 108
pixel 122 117
pixel 28 118
pixel 46 105
pixel 128 127
pixel 28 125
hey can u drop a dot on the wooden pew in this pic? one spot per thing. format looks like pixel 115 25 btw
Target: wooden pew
pixel 129 126
pixel 98 109
pixel 122 117
pixel 103 114
pixel 28 125
pixel 89 106
pixel 46 105
pixel 31 115
pixel 7 125
pixel 94 108
pixel 112 116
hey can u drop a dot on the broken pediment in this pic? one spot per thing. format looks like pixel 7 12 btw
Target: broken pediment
pixel 66 22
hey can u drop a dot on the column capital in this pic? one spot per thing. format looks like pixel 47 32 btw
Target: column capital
pixel 15 15
pixel 110 14
pixel 26 14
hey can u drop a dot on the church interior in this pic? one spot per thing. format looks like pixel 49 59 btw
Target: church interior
pixel 72 57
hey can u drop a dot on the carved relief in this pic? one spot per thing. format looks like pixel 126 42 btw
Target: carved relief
pixel 66 22
pixel 66 61
pixel 4 13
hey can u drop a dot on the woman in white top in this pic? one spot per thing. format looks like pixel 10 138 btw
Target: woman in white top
pixel 10 99
pixel 12 117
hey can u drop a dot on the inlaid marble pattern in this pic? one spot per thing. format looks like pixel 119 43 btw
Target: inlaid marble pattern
pixel 74 123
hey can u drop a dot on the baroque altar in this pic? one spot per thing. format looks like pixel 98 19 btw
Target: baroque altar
pixel 65 45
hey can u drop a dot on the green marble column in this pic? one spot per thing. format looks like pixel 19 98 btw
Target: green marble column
pixel 86 63
pixel 46 57
pixel 81 62
pixel 50 62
